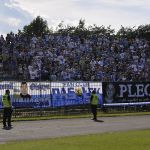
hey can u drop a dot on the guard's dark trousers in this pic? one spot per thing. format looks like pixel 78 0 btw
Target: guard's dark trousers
pixel 7 117
pixel 94 111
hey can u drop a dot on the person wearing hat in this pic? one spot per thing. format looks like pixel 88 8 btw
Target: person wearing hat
pixel 94 104
pixel 7 109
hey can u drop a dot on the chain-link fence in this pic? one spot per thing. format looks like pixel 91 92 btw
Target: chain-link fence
pixel 50 98
pixel 32 99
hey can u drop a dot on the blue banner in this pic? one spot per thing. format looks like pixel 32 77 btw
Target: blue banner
pixel 45 94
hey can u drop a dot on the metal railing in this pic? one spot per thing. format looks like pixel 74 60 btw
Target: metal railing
pixel 31 99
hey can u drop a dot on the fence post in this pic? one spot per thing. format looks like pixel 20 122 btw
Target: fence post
pixel 14 99
pixel 41 100
pixel 51 97
pixel 89 108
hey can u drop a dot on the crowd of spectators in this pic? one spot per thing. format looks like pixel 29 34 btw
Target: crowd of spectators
pixel 72 57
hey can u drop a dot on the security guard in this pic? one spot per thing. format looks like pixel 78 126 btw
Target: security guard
pixel 7 113
pixel 94 104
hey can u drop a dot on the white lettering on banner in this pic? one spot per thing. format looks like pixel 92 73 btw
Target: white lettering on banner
pixel 6 86
pixel 130 91
pixel 137 90
pixel 140 90
pixel 38 86
pixel 75 84
pixel 44 88
pixel 146 90
pixel 123 89
pixel 72 90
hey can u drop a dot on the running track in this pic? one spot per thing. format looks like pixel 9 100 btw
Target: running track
pixel 27 130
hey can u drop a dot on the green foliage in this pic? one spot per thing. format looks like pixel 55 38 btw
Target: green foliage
pixel 128 32
pixel 37 27
pixel 143 31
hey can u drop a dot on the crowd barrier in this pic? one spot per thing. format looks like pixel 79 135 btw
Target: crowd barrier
pixel 56 94
pixel 126 93
pixel 50 94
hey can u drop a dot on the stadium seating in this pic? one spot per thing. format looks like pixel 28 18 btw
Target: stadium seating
pixel 72 57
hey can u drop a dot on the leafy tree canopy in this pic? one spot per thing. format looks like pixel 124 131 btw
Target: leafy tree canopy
pixel 39 27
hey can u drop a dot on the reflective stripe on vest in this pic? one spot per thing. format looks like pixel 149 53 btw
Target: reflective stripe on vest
pixel 94 99
pixel 6 102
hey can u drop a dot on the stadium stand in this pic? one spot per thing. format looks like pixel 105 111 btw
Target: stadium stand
pixel 72 57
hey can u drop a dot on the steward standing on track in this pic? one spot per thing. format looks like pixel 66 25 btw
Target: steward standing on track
pixel 7 109
pixel 94 104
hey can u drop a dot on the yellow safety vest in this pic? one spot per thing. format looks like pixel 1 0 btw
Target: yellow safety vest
pixel 94 100
pixel 5 101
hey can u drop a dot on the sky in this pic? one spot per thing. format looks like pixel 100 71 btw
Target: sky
pixel 15 14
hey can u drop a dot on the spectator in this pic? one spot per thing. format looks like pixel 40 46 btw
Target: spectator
pixel 67 57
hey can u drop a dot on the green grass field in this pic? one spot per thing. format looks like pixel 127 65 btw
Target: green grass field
pixel 130 140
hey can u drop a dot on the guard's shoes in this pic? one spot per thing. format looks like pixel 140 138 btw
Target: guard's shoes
pixel 7 127
pixel 95 119
pixel 4 127
pixel 10 126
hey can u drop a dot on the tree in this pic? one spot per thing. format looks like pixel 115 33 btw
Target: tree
pixel 37 27
pixel 80 29
pixel 128 32
pixel 143 31
pixel 81 24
